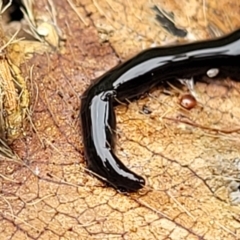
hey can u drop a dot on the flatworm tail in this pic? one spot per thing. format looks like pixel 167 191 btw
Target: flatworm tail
pixel 98 126
pixel 134 77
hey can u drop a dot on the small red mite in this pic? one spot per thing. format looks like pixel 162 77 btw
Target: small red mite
pixel 188 102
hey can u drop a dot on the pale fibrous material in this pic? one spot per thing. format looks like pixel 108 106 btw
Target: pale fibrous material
pixel 15 49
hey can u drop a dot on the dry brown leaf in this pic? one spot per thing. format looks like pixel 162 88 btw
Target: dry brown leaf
pixel 191 172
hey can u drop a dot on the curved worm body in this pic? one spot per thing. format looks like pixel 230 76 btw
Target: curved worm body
pixel 134 77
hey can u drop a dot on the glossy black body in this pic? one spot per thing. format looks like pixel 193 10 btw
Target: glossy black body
pixel 134 77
